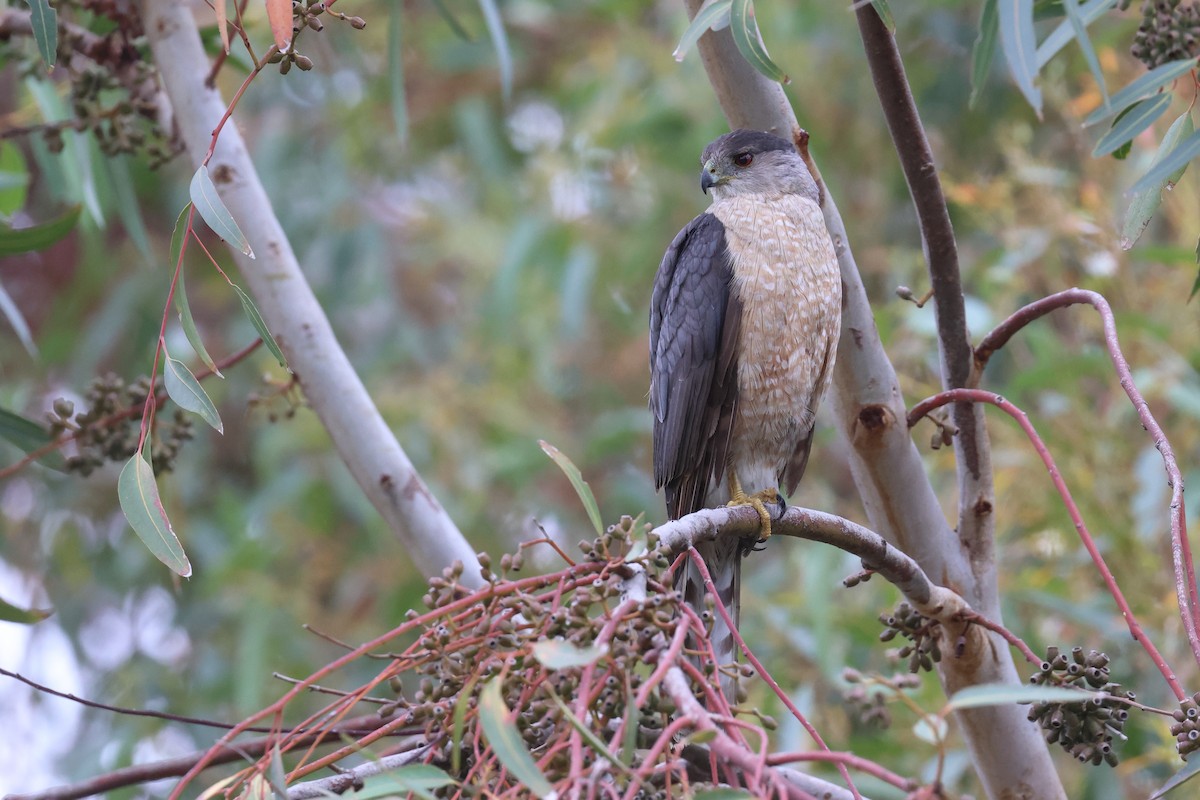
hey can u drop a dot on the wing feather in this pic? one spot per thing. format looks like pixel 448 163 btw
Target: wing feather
pixel 695 320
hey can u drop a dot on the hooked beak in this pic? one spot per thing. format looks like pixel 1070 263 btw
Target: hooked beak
pixel 710 177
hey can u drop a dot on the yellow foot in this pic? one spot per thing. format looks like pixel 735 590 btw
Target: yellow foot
pixel 758 501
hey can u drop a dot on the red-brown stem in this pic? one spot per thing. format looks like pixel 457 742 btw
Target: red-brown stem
pixel 850 760
pixel 980 396
pixel 766 676
pixel 159 399
pixel 1181 551
pixel 1016 641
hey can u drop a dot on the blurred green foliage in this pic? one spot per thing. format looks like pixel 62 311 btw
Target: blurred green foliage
pixel 488 269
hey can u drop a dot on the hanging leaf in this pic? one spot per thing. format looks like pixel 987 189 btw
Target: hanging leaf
pixel 29 436
pixel 1143 87
pixel 279 12
pixel 260 325
pixel 222 23
pixel 461 707
pixel 1174 161
pixel 188 394
pixel 22 616
pixel 1075 19
pixel 885 14
pixel 8 307
pixel 999 694
pixel 495 26
pixel 212 209
pixel 559 654
pixel 37 237
pixel 138 494
pixel 1020 47
pixel 419 779
pixel 276 776
pixel 576 478
pixel 713 15
pixel 984 50
pixel 182 308
pixel 1061 36
pixel 1181 777
pixel 506 742
pixel 1133 121
pixel 1146 202
pixel 396 76
pixel 44 21
pixel 745 36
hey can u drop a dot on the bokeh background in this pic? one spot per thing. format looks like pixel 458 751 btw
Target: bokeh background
pixel 487 264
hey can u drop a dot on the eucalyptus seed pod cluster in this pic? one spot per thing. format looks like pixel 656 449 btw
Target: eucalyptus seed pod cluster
pixel 108 430
pixel 1086 729
pixel 1169 31
pixel 922 650
pixel 545 642
pixel 1186 726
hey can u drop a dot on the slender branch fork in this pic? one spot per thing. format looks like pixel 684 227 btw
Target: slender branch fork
pixel 1181 552
pixel 980 396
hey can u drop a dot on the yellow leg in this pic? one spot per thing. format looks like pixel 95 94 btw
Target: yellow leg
pixel 758 501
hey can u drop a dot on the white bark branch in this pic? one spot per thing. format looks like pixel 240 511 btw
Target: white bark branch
pixel 1009 753
pixel 331 386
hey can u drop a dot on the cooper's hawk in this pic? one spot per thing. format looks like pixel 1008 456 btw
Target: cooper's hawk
pixel 744 322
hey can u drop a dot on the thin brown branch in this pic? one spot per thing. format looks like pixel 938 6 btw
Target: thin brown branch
pixel 180 765
pixel 976 493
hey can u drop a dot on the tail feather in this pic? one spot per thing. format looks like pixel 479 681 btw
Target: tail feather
pixel 723 557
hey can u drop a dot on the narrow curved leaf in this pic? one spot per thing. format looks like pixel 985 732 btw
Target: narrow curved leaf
pixel 396 75
pixel 182 307
pixel 885 14
pixel 222 23
pixel 23 616
pixel 576 478
pixel 560 654
pixel 1061 36
pixel 29 436
pixel 10 311
pixel 37 237
pixel 1181 777
pixel 212 209
pixel 506 742
pixel 984 50
pixel 260 325
pixel 1137 118
pixel 419 779
pixel 1146 202
pixel 722 793
pixel 452 21
pixel 279 12
pixel 1020 47
pixel 999 694
pixel 44 21
pixel 276 777
pixel 713 15
pixel 495 26
pixel 1144 86
pixel 188 394
pixel 1176 160
pixel 1075 20
pixel 138 494
pixel 745 36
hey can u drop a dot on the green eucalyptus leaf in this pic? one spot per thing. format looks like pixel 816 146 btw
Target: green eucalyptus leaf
pixel 713 15
pixel 138 494
pixel 1019 45
pixel 212 209
pixel 14 241
pixel 749 44
pixel 984 50
pixel 1132 121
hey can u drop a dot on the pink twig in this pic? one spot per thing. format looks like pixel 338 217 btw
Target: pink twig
pixel 766 676
pixel 980 396
pixel 1008 636
pixel 850 760
pixel 1181 552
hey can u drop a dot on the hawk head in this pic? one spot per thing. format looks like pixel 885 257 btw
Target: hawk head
pixel 745 162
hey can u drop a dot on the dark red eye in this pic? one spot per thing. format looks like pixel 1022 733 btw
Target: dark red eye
pixel 743 159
